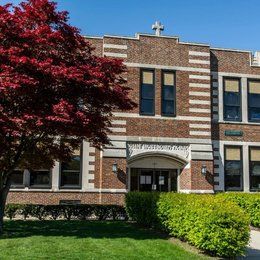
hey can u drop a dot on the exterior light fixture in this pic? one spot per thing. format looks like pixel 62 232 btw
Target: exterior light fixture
pixel 204 170
pixel 114 168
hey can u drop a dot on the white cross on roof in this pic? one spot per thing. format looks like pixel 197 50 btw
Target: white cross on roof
pixel 158 27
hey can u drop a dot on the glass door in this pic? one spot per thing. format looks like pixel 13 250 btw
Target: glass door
pixel 146 180
pixel 162 180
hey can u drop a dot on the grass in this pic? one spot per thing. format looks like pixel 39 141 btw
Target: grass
pixel 86 240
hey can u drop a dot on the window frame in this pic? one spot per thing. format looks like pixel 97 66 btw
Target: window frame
pixel 71 187
pixel 240 99
pixel 174 92
pixel 249 155
pixel 248 105
pixel 41 186
pixel 241 168
pixel 140 91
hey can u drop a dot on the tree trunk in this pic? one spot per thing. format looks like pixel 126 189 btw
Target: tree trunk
pixel 2 206
pixel 3 196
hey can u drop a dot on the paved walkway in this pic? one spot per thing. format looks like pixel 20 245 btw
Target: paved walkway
pixel 253 251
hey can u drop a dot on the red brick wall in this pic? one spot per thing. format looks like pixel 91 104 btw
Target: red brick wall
pixel 48 198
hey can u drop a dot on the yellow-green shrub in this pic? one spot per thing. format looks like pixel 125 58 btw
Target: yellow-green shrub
pixel 250 202
pixel 210 223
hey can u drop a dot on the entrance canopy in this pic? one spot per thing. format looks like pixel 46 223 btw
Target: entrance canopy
pixel 156 159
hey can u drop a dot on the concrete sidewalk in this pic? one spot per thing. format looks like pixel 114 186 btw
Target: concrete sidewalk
pixel 253 251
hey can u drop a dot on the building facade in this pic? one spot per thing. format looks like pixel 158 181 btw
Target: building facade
pixel 196 128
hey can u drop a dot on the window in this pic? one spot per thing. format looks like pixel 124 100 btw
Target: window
pixel 147 92
pixel 17 179
pixel 232 99
pixel 233 168
pixel 168 93
pixel 254 101
pixel 70 173
pixel 40 178
pixel 254 168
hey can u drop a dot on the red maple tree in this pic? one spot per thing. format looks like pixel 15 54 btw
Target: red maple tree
pixel 53 91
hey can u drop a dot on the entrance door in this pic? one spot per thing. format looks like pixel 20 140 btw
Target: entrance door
pixel 146 180
pixel 162 180
pixel 153 180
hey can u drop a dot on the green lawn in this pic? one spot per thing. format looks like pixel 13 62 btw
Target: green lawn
pixel 85 240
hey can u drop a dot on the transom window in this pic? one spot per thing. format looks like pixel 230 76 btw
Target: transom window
pixel 71 173
pixel 233 168
pixel 168 93
pixel 232 99
pixel 147 92
pixel 254 168
pixel 254 101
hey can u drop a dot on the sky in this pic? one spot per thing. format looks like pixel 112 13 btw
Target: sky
pixel 220 23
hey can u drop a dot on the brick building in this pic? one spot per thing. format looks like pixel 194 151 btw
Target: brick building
pixel 196 129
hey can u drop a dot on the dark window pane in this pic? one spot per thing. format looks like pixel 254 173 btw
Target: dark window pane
pixel 233 168
pixel 255 168
pixel 168 107
pixel 147 106
pixel 147 91
pixel 254 100
pixel 70 179
pixel 40 178
pixel 70 173
pixel 17 178
pixel 255 182
pixel 73 165
pixel 232 113
pixel 232 98
pixel 168 93
pixel 254 114
pixel 233 182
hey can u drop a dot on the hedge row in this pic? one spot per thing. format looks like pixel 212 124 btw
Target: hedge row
pixel 250 202
pixel 68 212
pixel 212 224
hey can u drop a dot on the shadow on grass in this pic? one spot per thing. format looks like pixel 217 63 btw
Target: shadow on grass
pixel 79 229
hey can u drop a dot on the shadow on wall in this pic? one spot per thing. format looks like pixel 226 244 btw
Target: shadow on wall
pixel 121 175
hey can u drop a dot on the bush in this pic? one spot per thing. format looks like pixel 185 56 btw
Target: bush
pixel 81 211
pixel 53 211
pixel 11 210
pixel 212 224
pixel 26 210
pixel 250 202
pixel 141 207
pixel 39 212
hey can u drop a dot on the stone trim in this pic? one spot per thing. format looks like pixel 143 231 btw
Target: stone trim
pixel 164 67
pixel 199 77
pixel 185 118
pixel 199 102
pixel 201 133
pixel 199 53
pixel 199 85
pixel 204 62
pixel 199 126
pixel 113 54
pixel 197 191
pixel 115 46
pixel 160 139
pixel 200 94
